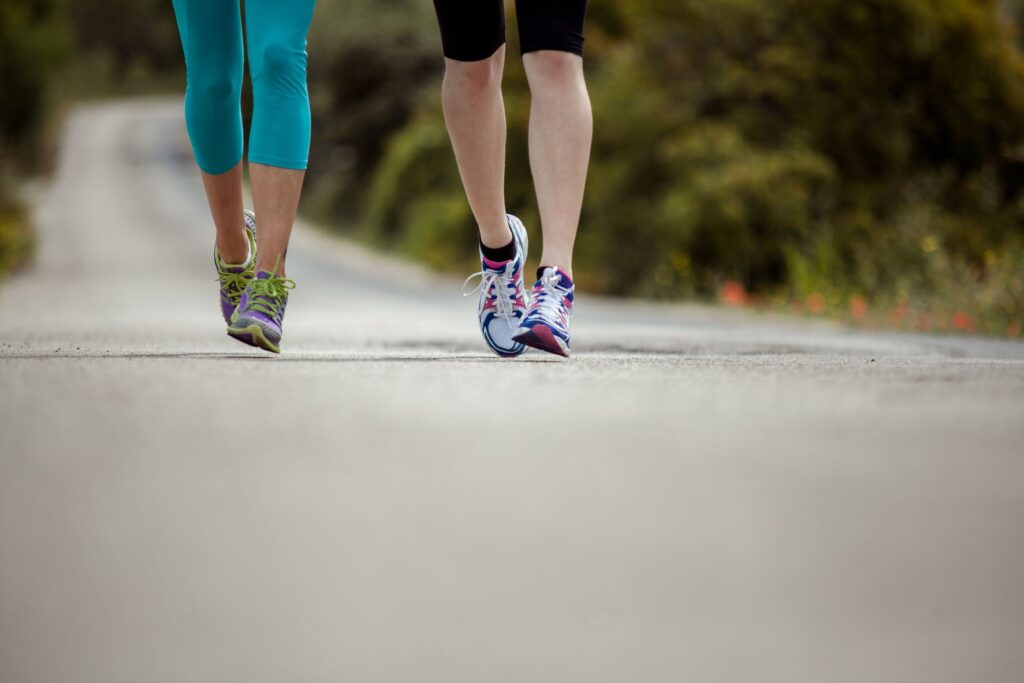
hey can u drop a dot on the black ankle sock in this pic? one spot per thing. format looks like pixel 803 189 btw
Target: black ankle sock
pixel 499 254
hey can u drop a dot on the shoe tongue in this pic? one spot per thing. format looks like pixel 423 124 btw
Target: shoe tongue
pixel 564 280
pixel 264 275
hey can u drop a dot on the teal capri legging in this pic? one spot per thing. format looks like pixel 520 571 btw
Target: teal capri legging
pixel 211 35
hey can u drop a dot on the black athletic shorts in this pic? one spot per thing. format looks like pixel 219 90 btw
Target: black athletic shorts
pixel 472 30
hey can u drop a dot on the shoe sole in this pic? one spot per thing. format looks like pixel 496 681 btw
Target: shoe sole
pixel 253 336
pixel 541 337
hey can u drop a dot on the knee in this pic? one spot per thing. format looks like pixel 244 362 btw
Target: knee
pixel 476 78
pixel 278 62
pixel 553 69
pixel 214 88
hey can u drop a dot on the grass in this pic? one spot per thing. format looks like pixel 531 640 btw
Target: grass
pixel 17 241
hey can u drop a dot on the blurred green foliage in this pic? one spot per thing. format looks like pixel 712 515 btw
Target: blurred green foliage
pixel 370 61
pixel 821 151
pixel 801 148
pixel 33 40
pixel 127 35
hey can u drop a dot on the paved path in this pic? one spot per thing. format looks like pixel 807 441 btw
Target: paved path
pixel 698 496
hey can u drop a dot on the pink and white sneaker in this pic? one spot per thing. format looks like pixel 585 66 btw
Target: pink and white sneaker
pixel 502 295
pixel 546 325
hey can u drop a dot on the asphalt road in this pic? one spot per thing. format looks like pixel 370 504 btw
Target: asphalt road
pixel 698 495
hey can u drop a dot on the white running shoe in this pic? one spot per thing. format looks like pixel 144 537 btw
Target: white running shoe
pixel 502 295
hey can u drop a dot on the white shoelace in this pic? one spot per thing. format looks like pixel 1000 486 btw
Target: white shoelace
pixel 503 307
pixel 550 303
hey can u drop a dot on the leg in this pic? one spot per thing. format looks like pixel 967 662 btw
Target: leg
pixel 561 126
pixel 224 195
pixel 279 138
pixel 561 122
pixel 473 35
pixel 211 36
pixel 275 193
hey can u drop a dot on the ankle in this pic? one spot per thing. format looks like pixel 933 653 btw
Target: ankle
pixel 272 265
pixel 495 236
pixel 234 250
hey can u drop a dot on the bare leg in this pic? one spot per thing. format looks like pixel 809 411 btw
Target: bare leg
pixel 224 194
pixel 475 114
pixel 561 129
pixel 276 193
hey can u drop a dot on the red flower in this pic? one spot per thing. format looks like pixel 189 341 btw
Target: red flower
pixel 816 304
pixel 963 322
pixel 733 293
pixel 858 307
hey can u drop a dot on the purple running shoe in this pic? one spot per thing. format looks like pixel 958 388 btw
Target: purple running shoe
pixel 260 314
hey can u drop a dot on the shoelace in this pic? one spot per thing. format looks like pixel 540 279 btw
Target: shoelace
pixel 551 300
pixel 268 295
pixel 234 283
pixel 503 307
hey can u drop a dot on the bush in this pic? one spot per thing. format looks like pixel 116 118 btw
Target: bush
pixel 369 62
pixel 871 149
pixel 129 33
pixel 33 40
pixel 16 240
